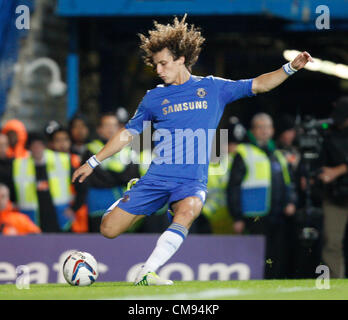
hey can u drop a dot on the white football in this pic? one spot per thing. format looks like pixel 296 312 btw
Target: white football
pixel 80 269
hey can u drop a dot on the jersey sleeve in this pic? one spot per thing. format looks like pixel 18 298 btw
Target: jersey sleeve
pixel 140 120
pixel 230 90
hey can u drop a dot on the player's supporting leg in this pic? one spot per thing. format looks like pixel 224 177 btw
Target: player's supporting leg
pixel 117 221
pixel 185 212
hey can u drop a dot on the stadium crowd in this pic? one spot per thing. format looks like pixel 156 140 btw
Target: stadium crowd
pixel 262 192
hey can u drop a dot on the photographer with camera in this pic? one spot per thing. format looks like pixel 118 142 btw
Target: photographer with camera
pixel 334 175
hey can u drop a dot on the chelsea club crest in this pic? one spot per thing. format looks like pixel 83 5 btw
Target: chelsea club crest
pixel 201 92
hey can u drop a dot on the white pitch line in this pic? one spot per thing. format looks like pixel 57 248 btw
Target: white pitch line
pixel 295 289
pixel 209 294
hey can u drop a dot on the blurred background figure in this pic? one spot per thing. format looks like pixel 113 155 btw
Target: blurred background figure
pixel 79 134
pixel 4 144
pixel 58 137
pixel 6 165
pixel 285 139
pixel 17 136
pixel 59 141
pixel 12 222
pixel 334 175
pixel 236 135
pixel 42 183
pixel 215 208
pixel 260 194
pixel 109 180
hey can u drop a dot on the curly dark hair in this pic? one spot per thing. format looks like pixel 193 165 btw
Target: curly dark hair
pixel 179 38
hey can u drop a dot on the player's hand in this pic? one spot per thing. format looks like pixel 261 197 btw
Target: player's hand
pixel 239 226
pixel 301 60
pixel 82 173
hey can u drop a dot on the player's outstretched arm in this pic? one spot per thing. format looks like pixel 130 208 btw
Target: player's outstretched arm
pixel 269 81
pixel 114 145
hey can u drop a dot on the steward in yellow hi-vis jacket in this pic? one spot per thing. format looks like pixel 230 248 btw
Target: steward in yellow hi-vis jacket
pixel 43 188
pixel 215 208
pixel 256 186
pixel 260 193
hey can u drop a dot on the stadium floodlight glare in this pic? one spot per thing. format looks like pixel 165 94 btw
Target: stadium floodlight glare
pixel 56 87
pixel 335 69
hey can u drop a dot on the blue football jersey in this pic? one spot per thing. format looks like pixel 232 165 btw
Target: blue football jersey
pixel 185 118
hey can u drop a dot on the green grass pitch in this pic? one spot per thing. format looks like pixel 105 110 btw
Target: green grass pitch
pixel 183 290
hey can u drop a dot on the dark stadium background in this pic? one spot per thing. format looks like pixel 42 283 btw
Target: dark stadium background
pixel 235 48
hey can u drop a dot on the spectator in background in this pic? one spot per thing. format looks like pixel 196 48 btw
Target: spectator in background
pixel 58 137
pixel 17 135
pixel 285 139
pixel 260 194
pixel 59 141
pixel 42 183
pixel 236 135
pixel 215 208
pixel 334 175
pixel 79 134
pixel 109 180
pixel 4 144
pixel 12 222
pixel 6 165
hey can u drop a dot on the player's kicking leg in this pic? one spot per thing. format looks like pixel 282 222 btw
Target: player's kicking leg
pixel 118 218
pixel 185 212
pixel 117 221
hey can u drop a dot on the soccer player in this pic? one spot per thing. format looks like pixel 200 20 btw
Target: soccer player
pixel 183 102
